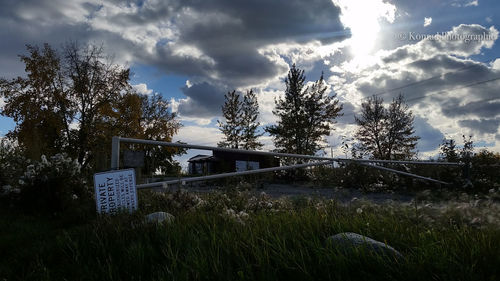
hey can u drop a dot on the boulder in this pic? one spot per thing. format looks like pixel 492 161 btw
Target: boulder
pixel 160 218
pixel 347 242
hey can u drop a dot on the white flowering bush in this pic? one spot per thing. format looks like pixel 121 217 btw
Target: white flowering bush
pixel 175 202
pixel 239 217
pixel 12 163
pixel 55 184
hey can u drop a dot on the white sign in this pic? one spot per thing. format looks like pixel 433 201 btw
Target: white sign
pixel 115 190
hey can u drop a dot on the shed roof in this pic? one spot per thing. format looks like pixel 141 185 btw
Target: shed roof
pixel 201 157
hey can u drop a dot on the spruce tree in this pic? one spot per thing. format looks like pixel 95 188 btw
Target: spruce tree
pixel 305 115
pixel 249 123
pixel 231 127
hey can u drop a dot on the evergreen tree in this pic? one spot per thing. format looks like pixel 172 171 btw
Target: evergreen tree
pixel 231 127
pixel 305 115
pixel 449 150
pixel 249 123
pixel 386 133
pixel 240 125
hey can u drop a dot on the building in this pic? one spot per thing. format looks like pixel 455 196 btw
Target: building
pixel 201 165
pixel 226 162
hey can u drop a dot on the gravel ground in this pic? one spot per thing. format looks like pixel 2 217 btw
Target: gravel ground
pixel 341 194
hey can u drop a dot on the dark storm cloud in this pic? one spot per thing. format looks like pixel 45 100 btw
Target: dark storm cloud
pixel 430 137
pixel 483 126
pixel 484 109
pixel 348 111
pixel 231 34
pixel 204 100
pixel 206 40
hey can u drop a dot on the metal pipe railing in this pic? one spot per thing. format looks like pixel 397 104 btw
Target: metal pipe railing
pixel 223 175
pixel 116 154
pixel 115 160
pixel 403 173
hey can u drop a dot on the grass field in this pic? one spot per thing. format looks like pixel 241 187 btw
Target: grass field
pixel 235 236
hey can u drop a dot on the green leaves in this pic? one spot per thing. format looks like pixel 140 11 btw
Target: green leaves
pixel 386 133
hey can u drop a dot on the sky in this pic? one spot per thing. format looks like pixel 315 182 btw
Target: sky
pixel 442 56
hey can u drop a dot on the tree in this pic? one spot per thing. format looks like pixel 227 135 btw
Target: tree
pixel 449 150
pixel 240 121
pixel 231 127
pixel 386 133
pixel 94 84
pixel 306 115
pixel 38 103
pixel 160 124
pixel 249 123
pixel 75 103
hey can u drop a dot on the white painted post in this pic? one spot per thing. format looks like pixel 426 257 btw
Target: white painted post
pixel 115 153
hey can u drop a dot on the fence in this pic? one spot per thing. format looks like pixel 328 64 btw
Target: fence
pixel 115 161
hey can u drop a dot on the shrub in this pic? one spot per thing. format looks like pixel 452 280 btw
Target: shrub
pixel 55 185
pixel 12 163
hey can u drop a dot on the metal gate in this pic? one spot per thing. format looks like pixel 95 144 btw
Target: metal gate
pixel 115 162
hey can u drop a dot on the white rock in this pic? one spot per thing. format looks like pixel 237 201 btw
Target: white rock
pixel 160 218
pixel 348 241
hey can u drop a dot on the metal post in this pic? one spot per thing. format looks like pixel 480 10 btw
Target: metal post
pixel 115 153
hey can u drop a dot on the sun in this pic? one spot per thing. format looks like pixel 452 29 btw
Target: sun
pixel 362 18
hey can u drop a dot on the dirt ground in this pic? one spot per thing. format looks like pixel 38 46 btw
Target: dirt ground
pixel 341 194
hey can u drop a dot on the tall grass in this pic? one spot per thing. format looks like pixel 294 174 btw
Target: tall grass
pixel 285 242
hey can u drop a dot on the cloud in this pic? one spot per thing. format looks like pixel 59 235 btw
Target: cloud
pixel 199 135
pixel 466 3
pixel 440 62
pixel 474 3
pixel 430 137
pixel 142 89
pixel 427 21
pixel 482 126
pixel 439 80
pixel 204 100
pixel 219 39
pixel 231 43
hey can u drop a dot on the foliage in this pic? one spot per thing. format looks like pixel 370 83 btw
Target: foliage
pixel 250 114
pixel 305 115
pixel 484 169
pixel 75 100
pixel 54 185
pixel 12 163
pixel 240 121
pixel 38 103
pixel 481 167
pixel 231 128
pixel 386 133
pixel 449 150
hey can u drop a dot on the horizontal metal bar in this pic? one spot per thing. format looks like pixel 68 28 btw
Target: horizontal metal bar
pixel 255 152
pixel 223 175
pixel 403 173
